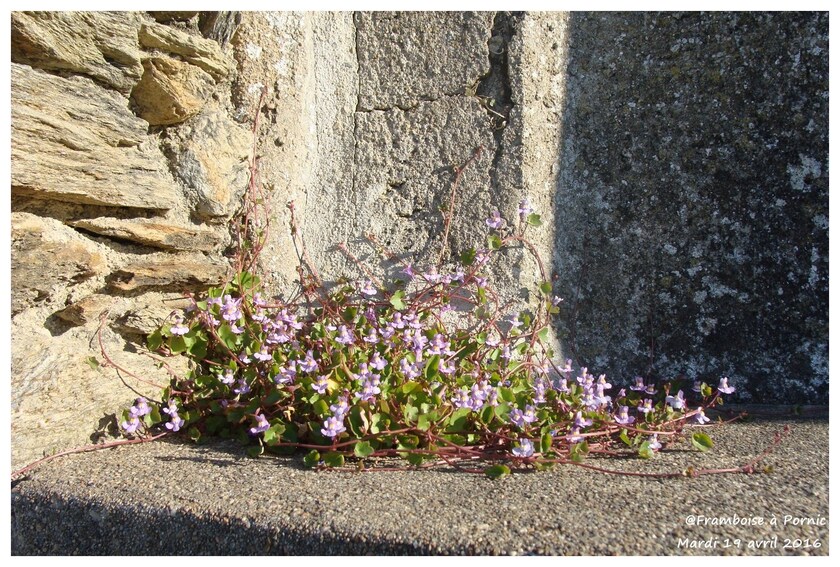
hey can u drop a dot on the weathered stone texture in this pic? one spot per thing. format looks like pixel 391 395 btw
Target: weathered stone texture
pixel 406 57
pixel 693 202
pixel 74 141
pixel 205 53
pixel 151 232
pixel 170 91
pixel 101 45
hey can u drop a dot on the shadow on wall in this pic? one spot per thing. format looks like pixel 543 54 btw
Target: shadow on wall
pixel 692 207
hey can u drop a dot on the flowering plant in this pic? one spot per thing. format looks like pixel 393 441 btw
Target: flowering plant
pixel 430 369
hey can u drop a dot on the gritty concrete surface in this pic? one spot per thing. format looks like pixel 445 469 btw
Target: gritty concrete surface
pixel 177 498
pixel 693 194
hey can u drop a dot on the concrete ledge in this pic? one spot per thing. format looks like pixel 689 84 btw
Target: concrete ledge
pixel 173 498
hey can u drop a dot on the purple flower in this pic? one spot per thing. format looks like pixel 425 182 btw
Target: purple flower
pixel 370 388
pixel 654 443
pixel 409 271
pixel 446 368
pixel 287 375
pixel 366 288
pixel 602 381
pixel 344 336
pixel 320 384
pixel 231 309
pixel 700 417
pixel 308 365
pixel 242 387
pixel 175 422
pixel 179 328
pixel 623 418
pixel 409 369
pixel 650 390
pixel 462 399
pixel 646 406
pixel 236 330
pixel 340 407
pixel 563 386
pixel 244 358
pixel 140 408
pixel 263 355
pixel 724 387
pixel 574 435
pixel 495 221
pixel 440 345
pixel 677 402
pixel 377 362
pixel 697 387
pixel 581 421
pixel 539 391
pixel 227 378
pixel 171 407
pixel 262 425
pixel 131 425
pixel 333 426
pixel 259 301
pixel 525 449
pixel 556 300
pixel 525 209
pixel 520 418
pixel 371 338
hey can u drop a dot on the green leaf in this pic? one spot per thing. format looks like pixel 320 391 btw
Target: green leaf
pixel 194 434
pixel 425 421
pixel 363 449
pixel 255 451
pixel 623 437
pixel 545 287
pixel 702 441
pixel 545 443
pixel 334 460
pixel 357 420
pixel 321 408
pixel 534 219
pixel 177 344
pixel 579 451
pixel 494 242
pixel 497 471
pixel 153 417
pixel 273 435
pixel 378 423
pixel 92 362
pixel 468 257
pixel 458 420
pixel 154 341
pixel 645 451
pixel 397 300
pixel 415 459
pixel 409 387
pixel 543 334
pixel 311 459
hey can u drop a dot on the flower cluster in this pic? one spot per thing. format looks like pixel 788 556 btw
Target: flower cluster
pixel 365 370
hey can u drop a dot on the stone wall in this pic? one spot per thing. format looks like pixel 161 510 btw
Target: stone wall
pixel 693 199
pixel 679 163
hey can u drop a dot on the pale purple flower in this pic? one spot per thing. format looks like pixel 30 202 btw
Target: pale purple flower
pixel 175 422
pixel 677 402
pixel 724 387
pixel 700 417
pixel 623 418
pixel 344 336
pixel 244 358
pixel 506 354
pixel 493 398
pixel 409 271
pixel 140 408
pixel 171 407
pixel 440 345
pixel 308 364
pixel 539 391
pixel 340 407
pixel 492 342
pixel 574 435
pixel 371 338
pixel 179 328
pixel 259 301
pixel 418 340
pixel 236 330
pixel 387 332
pixel 638 384
pixel 227 377
pixel 231 309
pixel 446 368
pixel 520 418
pixel 602 381
pixel 320 384
pixel 432 276
pixel 409 369
pixel 602 398
pixel 525 449
pixel 563 386
pixel 397 321
pixel 366 288
pixel 525 209
pixel 242 387
pixel 646 406
pixel 581 421
pixel 654 443
pixel 370 388
pixel 287 374
pixel 495 221
pixel 378 362
pixel 462 399
pixel 650 390
pixel 131 425
pixel 333 426
pixel 480 281
pixel 263 355
pixel 556 300
pixel 697 387
pixel 262 425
